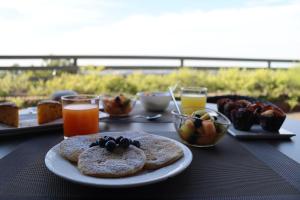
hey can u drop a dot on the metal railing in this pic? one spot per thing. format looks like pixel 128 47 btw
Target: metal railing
pixel 181 61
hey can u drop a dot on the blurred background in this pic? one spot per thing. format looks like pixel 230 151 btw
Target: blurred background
pixel 246 47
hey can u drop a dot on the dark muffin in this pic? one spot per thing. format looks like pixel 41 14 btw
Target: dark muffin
pixel 228 107
pixel 221 103
pixel 242 118
pixel 243 103
pixel 256 108
pixel 271 118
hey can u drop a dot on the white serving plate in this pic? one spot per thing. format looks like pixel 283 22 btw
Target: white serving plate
pixel 65 169
pixel 256 132
pixel 31 126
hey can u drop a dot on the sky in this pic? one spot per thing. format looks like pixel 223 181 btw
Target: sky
pixel 232 28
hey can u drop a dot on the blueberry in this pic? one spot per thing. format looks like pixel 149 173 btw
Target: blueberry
pixel 107 138
pixel 198 115
pixel 94 144
pixel 118 99
pixel 198 123
pixel 102 142
pixel 124 143
pixel 118 139
pixel 110 145
pixel 136 143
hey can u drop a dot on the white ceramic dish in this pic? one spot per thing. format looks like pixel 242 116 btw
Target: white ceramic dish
pixel 30 125
pixel 63 168
pixel 155 101
pixel 257 132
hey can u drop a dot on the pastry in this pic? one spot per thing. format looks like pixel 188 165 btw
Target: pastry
pixel 242 119
pixel 256 108
pixel 9 114
pixel 244 114
pixel 271 118
pixel 221 103
pixel 48 110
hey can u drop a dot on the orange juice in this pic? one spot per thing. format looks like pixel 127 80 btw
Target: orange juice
pixel 80 119
pixel 192 102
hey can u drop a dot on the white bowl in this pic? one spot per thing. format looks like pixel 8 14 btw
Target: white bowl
pixel 155 101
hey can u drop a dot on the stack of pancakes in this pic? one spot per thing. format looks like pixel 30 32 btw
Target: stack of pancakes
pixel 155 152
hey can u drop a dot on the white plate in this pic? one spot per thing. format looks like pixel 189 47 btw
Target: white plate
pixel 31 125
pixel 256 132
pixel 63 168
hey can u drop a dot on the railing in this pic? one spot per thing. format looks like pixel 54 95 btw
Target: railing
pixel 181 61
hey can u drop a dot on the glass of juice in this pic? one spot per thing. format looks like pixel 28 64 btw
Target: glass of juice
pixel 192 99
pixel 80 114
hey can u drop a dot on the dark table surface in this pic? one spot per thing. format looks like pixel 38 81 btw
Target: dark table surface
pixel 290 148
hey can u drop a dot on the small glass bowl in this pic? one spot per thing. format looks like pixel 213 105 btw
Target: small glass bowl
pixel 202 136
pixel 115 109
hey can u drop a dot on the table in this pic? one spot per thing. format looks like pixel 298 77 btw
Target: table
pixel 277 161
pixel 291 148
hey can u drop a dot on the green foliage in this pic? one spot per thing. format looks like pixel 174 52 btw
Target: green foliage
pixel 57 62
pixel 274 85
pixel 13 84
pixel 90 69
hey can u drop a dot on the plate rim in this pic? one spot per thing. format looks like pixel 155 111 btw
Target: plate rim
pixel 188 157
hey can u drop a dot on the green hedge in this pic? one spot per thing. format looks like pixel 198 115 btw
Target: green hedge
pixel 273 85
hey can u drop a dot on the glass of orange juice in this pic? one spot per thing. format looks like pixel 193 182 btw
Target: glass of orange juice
pixel 192 99
pixel 80 114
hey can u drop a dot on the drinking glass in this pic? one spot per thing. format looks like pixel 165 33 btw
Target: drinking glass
pixel 80 114
pixel 192 99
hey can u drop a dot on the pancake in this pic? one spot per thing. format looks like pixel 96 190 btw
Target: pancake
pixel 99 162
pixel 159 151
pixel 72 147
pixel 128 134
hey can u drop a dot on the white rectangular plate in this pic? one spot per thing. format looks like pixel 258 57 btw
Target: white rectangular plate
pixel 31 126
pixel 256 132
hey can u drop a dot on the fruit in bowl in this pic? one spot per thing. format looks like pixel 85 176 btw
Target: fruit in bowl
pixel 118 106
pixel 203 128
